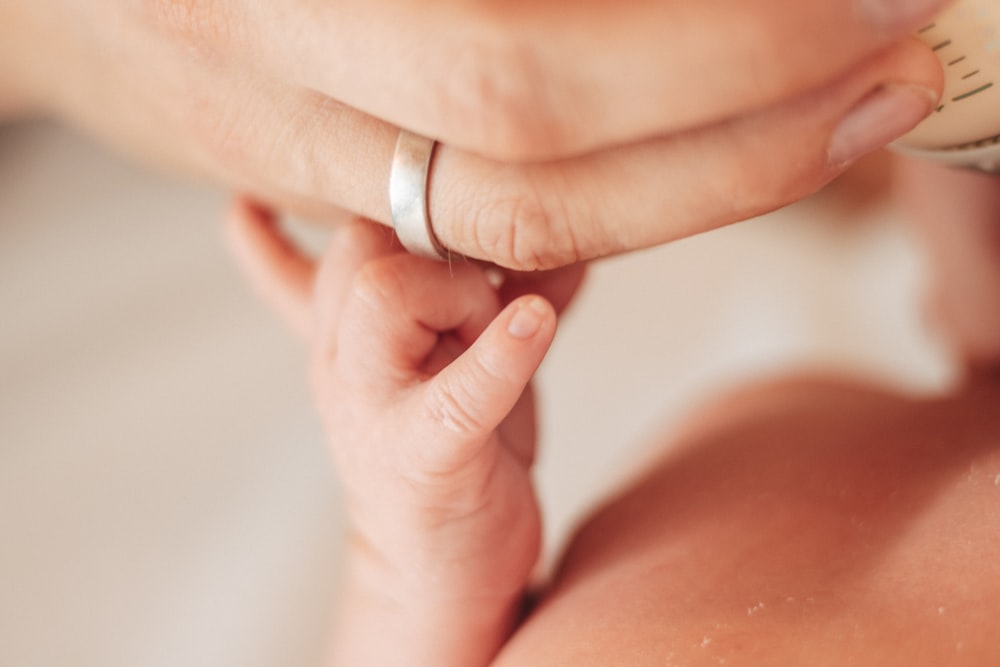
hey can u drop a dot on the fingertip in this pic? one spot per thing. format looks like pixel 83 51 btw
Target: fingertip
pixel 528 326
pixel 530 315
pixel 241 218
pixel 279 271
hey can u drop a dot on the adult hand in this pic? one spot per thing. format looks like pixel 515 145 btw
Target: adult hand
pixel 956 216
pixel 567 134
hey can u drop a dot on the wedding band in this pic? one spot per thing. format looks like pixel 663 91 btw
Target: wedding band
pixel 411 164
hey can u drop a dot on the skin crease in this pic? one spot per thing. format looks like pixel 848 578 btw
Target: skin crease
pixel 558 141
pixel 812 520
pixel 808 521
pixel 776 537
pixel 420 372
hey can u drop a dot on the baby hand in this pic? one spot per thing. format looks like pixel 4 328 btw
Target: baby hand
pixel 421 374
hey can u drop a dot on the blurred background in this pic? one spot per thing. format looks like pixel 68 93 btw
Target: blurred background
pixel 165 495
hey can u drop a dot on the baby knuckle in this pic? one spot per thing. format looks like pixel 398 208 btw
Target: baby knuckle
pixel 450 404
pixel 488 366
pixel 380 283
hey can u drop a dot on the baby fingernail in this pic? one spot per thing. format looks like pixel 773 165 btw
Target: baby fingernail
pixel 528 318
pixel 893 16
pixel 883 115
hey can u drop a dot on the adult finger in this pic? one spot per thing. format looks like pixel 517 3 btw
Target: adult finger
pixel 552 214
pixel 277 268
pixel 956 216
pixel 519 80
pixel 546 215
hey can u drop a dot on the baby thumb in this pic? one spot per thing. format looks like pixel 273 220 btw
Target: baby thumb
pixel 467 400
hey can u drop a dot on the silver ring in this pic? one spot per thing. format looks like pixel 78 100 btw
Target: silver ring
pixel 411 164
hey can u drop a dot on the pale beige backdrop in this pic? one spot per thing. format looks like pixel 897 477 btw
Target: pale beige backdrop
pixel 165 499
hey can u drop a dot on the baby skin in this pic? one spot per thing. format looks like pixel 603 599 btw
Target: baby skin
pixel 421 375
pixel 812 521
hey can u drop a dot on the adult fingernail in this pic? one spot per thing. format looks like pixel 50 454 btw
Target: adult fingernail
pixel 894 16
pixel 884 115
pixel 528 318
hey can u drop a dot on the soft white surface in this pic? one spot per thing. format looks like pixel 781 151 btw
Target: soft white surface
pixel 165 498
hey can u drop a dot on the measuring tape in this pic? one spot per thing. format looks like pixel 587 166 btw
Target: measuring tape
pixel 965 129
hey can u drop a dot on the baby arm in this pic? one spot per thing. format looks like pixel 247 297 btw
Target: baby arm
pixel 419 377
pixel 421 371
